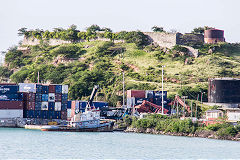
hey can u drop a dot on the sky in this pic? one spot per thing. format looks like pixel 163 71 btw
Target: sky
pixel 181 15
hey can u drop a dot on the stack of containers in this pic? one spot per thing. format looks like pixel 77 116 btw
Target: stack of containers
pixel 136 97
pixel 44 101
pixel 11 102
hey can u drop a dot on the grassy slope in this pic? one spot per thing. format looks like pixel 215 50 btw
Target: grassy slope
pixel 196 72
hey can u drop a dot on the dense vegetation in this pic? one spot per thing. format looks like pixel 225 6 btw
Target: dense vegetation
pixel 174 125
pixel 81 65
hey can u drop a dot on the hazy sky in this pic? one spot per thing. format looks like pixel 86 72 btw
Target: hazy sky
pixel 182 15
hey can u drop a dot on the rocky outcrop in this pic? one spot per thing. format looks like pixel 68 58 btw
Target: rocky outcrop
pixel 200 133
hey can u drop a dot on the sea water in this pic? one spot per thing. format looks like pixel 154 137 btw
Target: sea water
pixel 35 144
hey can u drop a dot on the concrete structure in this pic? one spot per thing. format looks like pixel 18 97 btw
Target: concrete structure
pixel 213 36
pixel 233 114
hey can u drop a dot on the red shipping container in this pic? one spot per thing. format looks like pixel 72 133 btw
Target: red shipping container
pixel 30 105
pixel 73 108
pixel 7 84
pixel 136 93
pixel 11 104
pixel 51 88
pixel 29 97
pixel 64 115
pixel 58 97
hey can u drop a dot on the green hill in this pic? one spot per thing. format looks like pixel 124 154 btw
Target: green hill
pixel 81 65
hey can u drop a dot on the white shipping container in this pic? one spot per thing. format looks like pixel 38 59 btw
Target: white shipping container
pixel 44 106
pixel 65 89
pixel 51 97
pixel 11 113
pixel 69 111
pixel 57 106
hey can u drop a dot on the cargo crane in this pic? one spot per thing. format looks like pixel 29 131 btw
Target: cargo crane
pixel 149 107
pixel 90 100
pixel 181 102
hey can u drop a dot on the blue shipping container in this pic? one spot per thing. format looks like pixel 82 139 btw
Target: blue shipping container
pixel 37 114
pixel 11 89
pixel 38 88
pixel 64 106
pixel 51 106
pixel 11 97
pixel 38 105
pixel 50 114
pixel 45 89
pixel 38 97
pixel 57 115
pixel 44 114
pixel 45 97
pixel 158 94
pixel 149 94
pixel 69 104
pixel 58 88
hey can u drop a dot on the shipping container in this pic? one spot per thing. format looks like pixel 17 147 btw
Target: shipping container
pixel 51 89
pixel 38 88
pixel 44 106
pixel 149 94
pixel 38 97
pixel 37 114
pixel 8 84
pixel 38 106
pixel 51 106
pixel 7 89
pixel 11 113
pixel 65 89
pixel 44 114
pixel 158 94
pixel 45 97
pixel 29 96
pixel 51 97
pixel 28 114
pixel 158 101
pixel 64 115
pixel 58 106
pixel 64 98
pixel 136 93
pixel 11 104
pixel 58 88
pixel 57 115
pixel 50 114
pixel 69 104
pixel 30 105
pixel 64 106
pixel 69 111
pixel 45 89
pixel 58 97
pixel 27 87
pixel 11 97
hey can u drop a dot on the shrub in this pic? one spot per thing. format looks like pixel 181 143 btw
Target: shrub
pixel 68 51
pixel 228 131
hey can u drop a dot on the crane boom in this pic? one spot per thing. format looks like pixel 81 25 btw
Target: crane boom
pixel 90 100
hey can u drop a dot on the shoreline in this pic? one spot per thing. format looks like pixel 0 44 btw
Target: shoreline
pixel 199 134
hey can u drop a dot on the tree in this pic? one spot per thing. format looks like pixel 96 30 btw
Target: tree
pixel 22 31
pixel 94 28
pixel 157 29
pixel 200 30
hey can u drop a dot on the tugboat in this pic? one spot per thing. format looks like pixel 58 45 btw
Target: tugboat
pixel 89 121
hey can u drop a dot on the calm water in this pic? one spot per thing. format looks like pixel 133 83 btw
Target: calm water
pixel 20 143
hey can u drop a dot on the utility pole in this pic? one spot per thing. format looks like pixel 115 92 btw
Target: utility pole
pixel 162 92
pixel 196 105
pixel 184 97
pixel 191 109
pixel 177 109
pixel 123 91
pixel 38 77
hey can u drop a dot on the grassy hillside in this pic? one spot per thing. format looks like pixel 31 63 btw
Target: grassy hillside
pixel 82 65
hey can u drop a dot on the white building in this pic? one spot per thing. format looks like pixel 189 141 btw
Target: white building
pixel 233 114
